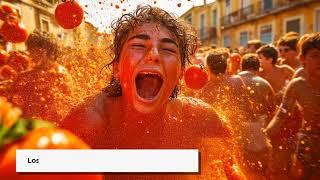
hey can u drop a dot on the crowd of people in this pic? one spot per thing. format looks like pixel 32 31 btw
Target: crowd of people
pixel 256 118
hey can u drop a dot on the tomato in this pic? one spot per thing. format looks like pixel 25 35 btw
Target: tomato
pixel 13 32
pixel 6 11
pixel 234 63
pixel 3 57
pixel 19 61
pixel 195 77
pixel 69 14
pixel 42 138
pixel 7 72
pixel 235 57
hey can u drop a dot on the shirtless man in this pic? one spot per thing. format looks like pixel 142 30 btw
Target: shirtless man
pixel 140 108
pixel 256 147
pixel 42 91
pixel 277 75
pixel 305 92
pixel 253 45
pixel 287 46
pixel 224 92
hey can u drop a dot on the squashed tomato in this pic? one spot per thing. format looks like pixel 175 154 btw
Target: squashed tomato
pixel 19 61
pixel 195 77
pixel 6 11
pixel 3 57
pixel 69 14
pixel 42 138
pixel 11 31
pixel 7 72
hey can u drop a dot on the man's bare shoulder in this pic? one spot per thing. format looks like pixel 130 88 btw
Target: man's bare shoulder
pixel 297 83
pixel 200 115
pixel 93 109
pixel 286 69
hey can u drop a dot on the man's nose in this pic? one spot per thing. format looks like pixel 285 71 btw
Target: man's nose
pixel 153 55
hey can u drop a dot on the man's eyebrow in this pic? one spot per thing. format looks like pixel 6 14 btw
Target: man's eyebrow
pixel 168 40
pixel 140 36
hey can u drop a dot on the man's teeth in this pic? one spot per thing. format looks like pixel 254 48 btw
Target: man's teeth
pixel 151 73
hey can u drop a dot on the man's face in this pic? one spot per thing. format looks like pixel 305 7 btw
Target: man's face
pixel 311 63
pixel 264 61
pixel 287 53
pixel 251 48
pixel 149 67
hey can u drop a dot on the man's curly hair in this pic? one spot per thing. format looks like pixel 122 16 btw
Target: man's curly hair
pixel 186 37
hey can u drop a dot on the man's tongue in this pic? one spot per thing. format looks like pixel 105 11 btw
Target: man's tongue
pixel 148 85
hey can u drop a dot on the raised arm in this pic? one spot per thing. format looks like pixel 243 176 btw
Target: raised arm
pixel 286 108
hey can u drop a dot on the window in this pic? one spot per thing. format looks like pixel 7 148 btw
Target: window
pixel 228 7
pixel 214 18
pixel 44 23
pixel 202 23
pixel 226 41
pixel 188 19
pixel 245 3
pixel 266 5
pixel 266 34
pixel 317 21
pixel 243 38
pixel 293 25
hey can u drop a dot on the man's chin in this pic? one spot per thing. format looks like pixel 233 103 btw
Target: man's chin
pixel 147 108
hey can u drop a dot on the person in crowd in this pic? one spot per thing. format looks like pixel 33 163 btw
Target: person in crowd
pixel 140 108
pixel 255 144
pixel 305 92
pixel 253 45
pixel 287 46
pixel 41 91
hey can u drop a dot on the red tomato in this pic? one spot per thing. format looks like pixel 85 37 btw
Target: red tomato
pixel 6 11
pixel 195 77
pixel 69 14
pixel 13 32
pixel 35 140
pixel 19 61
pixel 235 57
pixel 3 57
pixel 7 72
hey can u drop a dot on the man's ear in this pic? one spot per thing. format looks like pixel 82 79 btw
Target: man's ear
pixel 115 70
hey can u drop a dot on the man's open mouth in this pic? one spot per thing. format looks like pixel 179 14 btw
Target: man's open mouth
pixel 148 84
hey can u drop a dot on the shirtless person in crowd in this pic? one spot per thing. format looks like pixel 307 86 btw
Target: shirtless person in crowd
pixel 256 147
pixel 305 92
pixel 42 91
pixel 140 108
pixel 277 75
pixel 287 46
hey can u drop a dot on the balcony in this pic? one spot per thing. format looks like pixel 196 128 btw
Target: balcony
pixel 258 10
pixel 207 34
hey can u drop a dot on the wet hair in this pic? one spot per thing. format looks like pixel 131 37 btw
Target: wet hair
pixel 256 42
pixel 186 37
pixel 217 60
pixel 300 42
pixel 311 42
pixel 269 51
pixel 44 41
pixel 290 39
pixel 250 62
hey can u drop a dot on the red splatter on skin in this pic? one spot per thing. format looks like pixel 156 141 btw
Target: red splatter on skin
pixel 117 6
pixel 179 4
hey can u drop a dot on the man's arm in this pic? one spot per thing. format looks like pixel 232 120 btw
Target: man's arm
pixel 285 109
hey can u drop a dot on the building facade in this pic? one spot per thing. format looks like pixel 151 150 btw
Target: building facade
pixel 237 21
pixel 39 14
pixel 266 20
pixel 205 20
